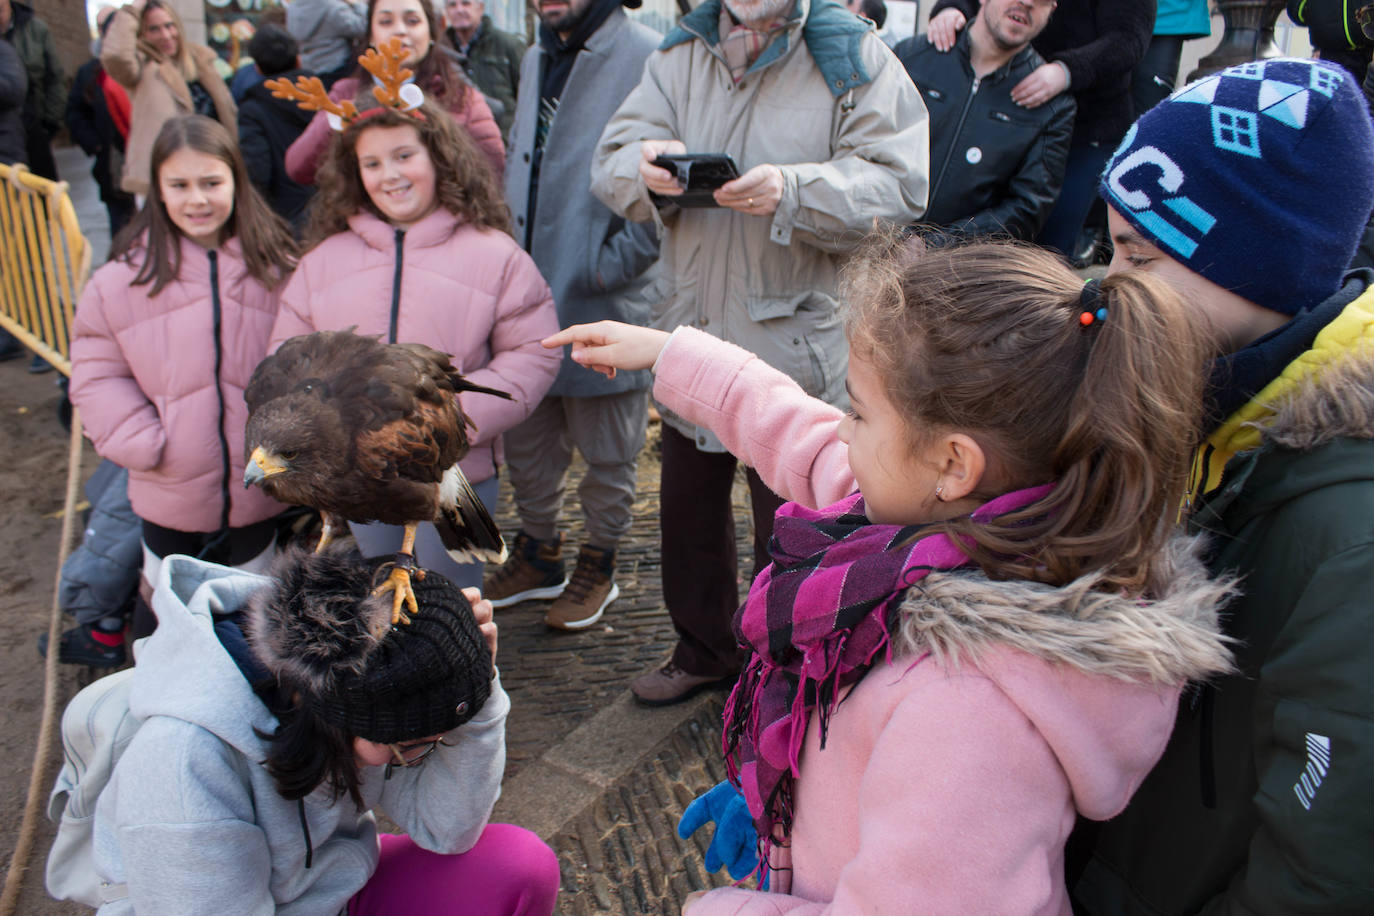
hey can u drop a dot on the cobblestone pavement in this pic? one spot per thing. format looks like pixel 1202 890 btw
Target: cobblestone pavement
pixel 599 777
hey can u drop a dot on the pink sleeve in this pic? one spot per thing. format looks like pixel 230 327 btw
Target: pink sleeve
pixel 760 415
pixel 476 117
pixel 303 156
pixel 119 418
pixel 962 809
pixel 519 365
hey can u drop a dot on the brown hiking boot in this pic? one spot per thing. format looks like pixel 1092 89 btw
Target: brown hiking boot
pixel 590 589
pixel 534 570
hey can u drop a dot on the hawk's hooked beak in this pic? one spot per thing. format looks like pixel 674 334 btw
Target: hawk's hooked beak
pixel 262 465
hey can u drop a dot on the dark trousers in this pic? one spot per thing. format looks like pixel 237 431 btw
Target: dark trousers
pixel 120 208
pixel 1157 73
pixel 1076 196
pixel 39 148
pixel 700 561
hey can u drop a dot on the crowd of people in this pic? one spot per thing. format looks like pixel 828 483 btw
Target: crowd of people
pixel 1059 587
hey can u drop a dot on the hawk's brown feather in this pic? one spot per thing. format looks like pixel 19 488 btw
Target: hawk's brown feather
pixel 366 430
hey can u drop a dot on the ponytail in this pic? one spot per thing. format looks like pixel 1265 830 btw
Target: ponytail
pixel 986 338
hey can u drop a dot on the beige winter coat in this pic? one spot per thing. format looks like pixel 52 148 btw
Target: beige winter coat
pixel 849 155
pixel 157 91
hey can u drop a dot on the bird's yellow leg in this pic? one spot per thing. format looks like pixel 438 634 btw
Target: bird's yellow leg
pixel 399 581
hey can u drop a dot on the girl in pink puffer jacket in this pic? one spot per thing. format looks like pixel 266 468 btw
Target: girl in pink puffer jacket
pixel 979 615
pixel 165 339
pixel 410 243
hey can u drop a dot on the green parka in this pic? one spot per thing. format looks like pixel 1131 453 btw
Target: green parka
pixel 493 64
pixel 1264 799
pixel 47 98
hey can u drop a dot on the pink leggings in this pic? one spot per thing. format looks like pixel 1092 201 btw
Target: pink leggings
pixel 510 872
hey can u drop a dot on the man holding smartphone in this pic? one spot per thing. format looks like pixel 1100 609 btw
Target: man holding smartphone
pixel 829 136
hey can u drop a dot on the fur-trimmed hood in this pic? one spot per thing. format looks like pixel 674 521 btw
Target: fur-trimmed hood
pixel 1326 393
pixel 1337 403
pixel 1167 639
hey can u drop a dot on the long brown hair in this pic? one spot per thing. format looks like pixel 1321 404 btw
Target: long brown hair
pixel 985 338
pixel 464 184
pixel 269 250
pixel 435 73
pixel 183 60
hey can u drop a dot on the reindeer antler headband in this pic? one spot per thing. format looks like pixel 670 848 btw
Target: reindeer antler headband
pixel 393 91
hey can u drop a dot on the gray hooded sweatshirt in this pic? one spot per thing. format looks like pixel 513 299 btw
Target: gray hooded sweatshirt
pixel 191 821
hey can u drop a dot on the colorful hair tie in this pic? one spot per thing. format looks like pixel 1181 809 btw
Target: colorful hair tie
pixel 1088 299
pixel 393 90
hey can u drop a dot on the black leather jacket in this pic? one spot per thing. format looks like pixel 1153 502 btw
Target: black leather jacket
pixel 996 167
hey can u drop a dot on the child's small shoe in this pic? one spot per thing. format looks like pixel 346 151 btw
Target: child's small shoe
pixel 85 644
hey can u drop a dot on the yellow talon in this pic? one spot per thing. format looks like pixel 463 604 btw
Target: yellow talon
pixel 403 595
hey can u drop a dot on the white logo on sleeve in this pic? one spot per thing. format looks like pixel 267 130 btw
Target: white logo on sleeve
pixel 1318 762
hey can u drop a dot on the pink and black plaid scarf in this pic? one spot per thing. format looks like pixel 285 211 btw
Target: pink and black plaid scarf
pixel 816 620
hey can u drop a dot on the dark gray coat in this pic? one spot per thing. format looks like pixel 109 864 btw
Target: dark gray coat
pixel 597 264
pixel 14 85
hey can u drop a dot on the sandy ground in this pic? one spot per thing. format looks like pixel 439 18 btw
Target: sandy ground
pixel 33 462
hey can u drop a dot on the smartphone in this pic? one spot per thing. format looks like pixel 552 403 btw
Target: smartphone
pixel 698 174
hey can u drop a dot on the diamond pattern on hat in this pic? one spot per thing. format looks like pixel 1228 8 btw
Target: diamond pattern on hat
pixel 1235 130
pixel 1202 92
pixel 1254 70
pixel 1284 102
pixel 1325 81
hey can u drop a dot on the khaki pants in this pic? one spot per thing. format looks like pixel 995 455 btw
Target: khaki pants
pixel 609 432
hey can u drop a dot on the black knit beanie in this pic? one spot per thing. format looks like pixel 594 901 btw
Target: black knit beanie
pixel 319 629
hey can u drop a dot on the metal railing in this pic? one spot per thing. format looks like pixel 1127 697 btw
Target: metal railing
pixel 44 263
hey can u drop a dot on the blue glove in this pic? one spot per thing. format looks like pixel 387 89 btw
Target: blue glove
pixel 735 843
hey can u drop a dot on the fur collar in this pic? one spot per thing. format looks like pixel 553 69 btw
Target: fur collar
pixel 1337 403
pixel 1169 639
pixel 1323 394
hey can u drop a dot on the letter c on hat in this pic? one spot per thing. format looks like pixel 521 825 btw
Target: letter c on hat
pixel 1170 179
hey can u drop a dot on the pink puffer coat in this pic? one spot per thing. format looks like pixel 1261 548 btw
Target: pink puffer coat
pixel 471 293
pixel 159 382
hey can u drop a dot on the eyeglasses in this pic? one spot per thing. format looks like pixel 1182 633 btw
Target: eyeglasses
pixel 413 753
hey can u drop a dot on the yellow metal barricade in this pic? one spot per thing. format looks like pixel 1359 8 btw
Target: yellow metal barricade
pixel 44 263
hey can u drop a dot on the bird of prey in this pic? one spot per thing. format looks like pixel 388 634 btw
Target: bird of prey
pixel 366 431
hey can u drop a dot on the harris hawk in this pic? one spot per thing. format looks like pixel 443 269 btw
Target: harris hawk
pixel 366 431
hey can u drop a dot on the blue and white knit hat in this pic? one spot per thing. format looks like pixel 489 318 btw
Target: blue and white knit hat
pixel 1260 178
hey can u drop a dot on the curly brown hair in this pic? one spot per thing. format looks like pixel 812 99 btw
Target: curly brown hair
pixel 984 338
pixel 464 184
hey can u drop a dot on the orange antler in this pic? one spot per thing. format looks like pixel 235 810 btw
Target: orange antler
pixel 308 92
pixel 385 64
